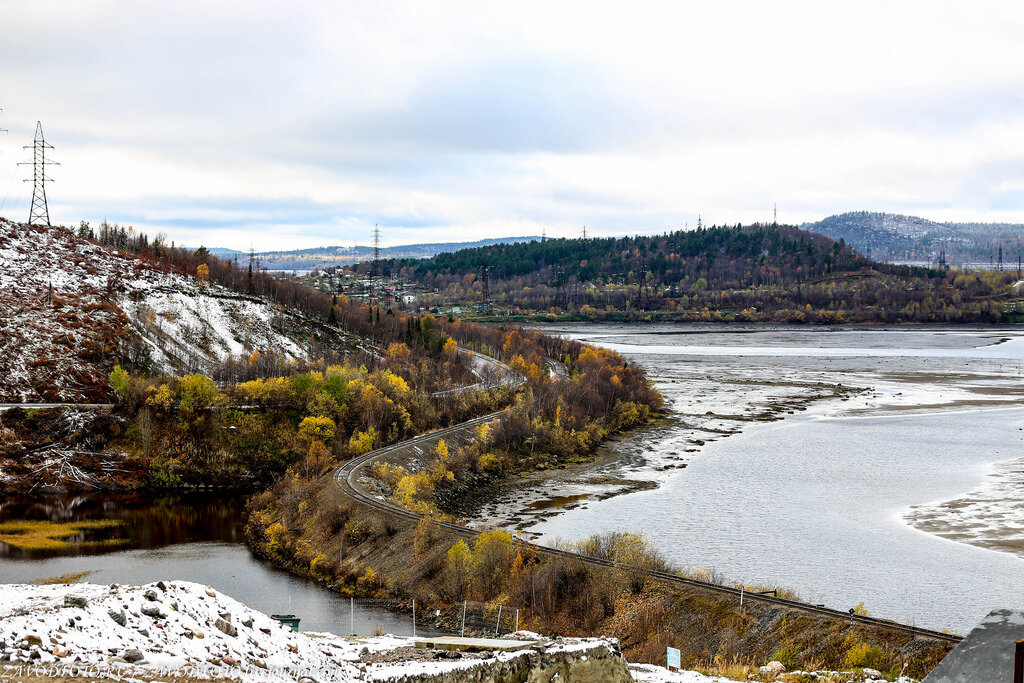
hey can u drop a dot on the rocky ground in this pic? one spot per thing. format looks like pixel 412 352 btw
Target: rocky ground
pixel 178 630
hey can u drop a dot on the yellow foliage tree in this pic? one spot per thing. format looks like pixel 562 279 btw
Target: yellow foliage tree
pixel 451 347
pixel 458 569
pixel 316 429
pixel 363 442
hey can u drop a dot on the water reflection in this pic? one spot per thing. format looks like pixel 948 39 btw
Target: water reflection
pixel 193 537
pixel 146 521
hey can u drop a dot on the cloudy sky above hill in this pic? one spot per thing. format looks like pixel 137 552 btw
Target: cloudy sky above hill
pixel 287 125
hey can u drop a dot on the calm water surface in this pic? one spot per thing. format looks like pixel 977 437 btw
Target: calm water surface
pixel 193 538
pixel 816 502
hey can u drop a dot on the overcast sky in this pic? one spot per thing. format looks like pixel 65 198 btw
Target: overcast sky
pixel 297 124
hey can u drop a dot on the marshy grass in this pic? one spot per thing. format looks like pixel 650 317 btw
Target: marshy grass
pixel 46 535
pixel 63 579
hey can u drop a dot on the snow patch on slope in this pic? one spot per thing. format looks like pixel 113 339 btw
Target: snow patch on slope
pixel 68 307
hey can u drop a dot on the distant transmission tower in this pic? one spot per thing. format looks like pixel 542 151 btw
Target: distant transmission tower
pixel 584 233
pixel 485 270
pixel 775 214
pixel 376 250
pixel 999 265
pixel 942 258
pixel 39 213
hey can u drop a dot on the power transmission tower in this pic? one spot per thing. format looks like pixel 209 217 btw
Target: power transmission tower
pixel 775 215
pixel 584 233
pixel 999 265
pixel 485 271
pixel 376 250
pixel 942 258
pixel 543 235
pixel 39 213
pixel 642 289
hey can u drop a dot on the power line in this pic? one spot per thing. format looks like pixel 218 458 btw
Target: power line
pixel 39 212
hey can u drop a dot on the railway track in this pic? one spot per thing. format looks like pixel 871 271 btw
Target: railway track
pixel 346 477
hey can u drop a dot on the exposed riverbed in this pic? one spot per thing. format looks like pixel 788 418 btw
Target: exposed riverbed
pixel 905 495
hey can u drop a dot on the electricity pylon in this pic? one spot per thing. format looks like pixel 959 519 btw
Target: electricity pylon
pixel 39 213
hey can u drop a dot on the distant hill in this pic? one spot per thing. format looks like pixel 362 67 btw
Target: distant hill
pixel 909 239
pixel 323 257
pixel 731 256
pixel 750 273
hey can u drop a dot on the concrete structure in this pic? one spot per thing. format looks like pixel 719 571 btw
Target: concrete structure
pixel 474 644
pixel 986 654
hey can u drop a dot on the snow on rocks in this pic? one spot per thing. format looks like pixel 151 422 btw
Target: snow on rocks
pixel 178 628
pixel 649 673
pixel 64 301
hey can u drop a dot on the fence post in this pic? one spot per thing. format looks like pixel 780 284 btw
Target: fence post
pixel 352 614
pixel 1018 662
pixel 414 617
pixel 498 624
pixel 741 595
pixel 517 619
pixel 463 617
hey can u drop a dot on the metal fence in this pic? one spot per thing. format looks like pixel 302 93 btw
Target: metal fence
pixel 364 617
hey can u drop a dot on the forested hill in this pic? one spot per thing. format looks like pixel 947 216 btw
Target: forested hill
pixel 725 256
pixel 766 273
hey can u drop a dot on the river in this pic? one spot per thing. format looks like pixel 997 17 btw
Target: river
pixel 907 496
pixel 196 538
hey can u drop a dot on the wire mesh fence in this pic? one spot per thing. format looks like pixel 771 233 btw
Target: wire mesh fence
pixel 470 618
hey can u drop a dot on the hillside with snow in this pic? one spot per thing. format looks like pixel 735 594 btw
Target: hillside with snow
pixel 910 239
pixel 70 309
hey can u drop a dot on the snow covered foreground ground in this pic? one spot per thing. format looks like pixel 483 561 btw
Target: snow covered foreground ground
pixel 178 628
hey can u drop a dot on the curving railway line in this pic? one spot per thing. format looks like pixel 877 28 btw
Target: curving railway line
pixel 346 477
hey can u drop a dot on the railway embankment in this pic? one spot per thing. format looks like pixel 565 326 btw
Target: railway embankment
pixel 338 530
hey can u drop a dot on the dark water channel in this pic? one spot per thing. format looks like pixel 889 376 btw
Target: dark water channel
pixel 195 537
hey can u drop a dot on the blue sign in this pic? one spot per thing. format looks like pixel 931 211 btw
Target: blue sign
pixel 673 658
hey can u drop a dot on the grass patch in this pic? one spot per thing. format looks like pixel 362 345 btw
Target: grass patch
pixel 45 535
pixel 63 579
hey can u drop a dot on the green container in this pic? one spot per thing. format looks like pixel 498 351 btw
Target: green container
pixel 289 620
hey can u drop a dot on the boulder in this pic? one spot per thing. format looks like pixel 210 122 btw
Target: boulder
pixel 230 661
pixel 225 627
pixel 151 595
pixel 132 655
pixel 118 616
pixel 75 601
pixel 151 611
